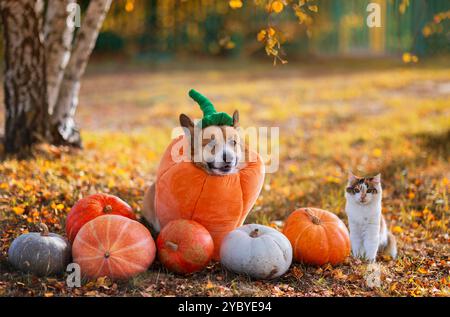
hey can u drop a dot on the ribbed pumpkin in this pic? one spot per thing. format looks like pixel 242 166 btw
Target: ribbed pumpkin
pixel 317 236
pixel 219 203
pixel 256 250
pixel 184 246
pixel 113 246
pixel 40 253
pixel 93 206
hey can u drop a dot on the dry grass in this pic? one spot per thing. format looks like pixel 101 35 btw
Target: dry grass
pixel 332 118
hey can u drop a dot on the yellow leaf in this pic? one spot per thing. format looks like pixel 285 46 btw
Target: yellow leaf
pixel 271 31
pixel 18 210
pixel 422 270
pixel 377 152
pixel 4 186
pixel 261 35
pixel 230 45
pixel 393 286
pixel 277 6
pixel 406 57
pixel 129 6
pixel 411 195
pixel 426 31
pixel 209 285
pixel 313 8
pixel 397 229
pixel 293 168
pixel 235 4
pixel 332 179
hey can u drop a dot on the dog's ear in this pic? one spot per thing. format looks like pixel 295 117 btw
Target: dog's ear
pixel 236 118
pixel 186 122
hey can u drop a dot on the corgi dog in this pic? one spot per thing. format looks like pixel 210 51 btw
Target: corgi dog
pixel 215 149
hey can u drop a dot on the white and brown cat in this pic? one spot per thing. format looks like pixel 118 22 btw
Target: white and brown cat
pixel 369 233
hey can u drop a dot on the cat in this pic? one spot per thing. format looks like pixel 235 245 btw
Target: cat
pixel 369 233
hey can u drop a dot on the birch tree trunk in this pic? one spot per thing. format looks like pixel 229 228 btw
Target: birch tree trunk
pixel 64 129
pixel 26 108
pixel 58 35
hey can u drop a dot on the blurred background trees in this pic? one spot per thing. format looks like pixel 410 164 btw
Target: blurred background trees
pixel 165 30
pixel 158 31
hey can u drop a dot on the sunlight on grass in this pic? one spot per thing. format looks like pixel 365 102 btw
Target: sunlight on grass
pixel 395 121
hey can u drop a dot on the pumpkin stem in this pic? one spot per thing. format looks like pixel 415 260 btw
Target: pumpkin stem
pixel 107 254
pixel 107 209
pixel 315 220
pixel 171 245
pixel 44 229
pixel 254 233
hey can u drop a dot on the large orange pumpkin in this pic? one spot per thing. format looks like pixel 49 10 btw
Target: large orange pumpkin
pixel 219 203
pixel 184 246
pixel 317 236
pixel 93 206
pixel 113 246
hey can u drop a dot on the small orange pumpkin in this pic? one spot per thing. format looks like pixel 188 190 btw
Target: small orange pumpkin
pixel 94 206
pixel 317 236
pixel 113 246
pixel 184 246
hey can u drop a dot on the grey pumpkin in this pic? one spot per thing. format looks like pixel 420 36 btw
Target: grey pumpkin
pixel 40 253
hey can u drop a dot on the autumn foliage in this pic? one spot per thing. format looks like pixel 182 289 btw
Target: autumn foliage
pixel 385 116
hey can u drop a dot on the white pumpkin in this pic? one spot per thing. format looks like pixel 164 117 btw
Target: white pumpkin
pixel 256 250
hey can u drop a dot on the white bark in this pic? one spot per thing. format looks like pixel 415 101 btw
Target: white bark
pixel 58 35
pixel 67 101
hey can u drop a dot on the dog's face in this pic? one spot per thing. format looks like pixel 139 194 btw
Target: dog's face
pixel 215 149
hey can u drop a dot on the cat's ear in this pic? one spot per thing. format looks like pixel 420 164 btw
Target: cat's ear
pixel 351 177
pixel 376 178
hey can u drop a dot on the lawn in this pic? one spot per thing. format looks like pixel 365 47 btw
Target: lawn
pixel 333 116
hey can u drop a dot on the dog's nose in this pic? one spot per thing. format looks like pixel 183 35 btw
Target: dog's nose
pixel 224 156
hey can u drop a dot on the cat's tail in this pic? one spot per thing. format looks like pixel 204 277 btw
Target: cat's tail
pixel 391 247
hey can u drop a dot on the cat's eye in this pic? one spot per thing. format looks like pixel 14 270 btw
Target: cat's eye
pixel 372 191
pixel 352 190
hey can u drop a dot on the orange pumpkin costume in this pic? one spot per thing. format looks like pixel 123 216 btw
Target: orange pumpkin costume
pixel 219 203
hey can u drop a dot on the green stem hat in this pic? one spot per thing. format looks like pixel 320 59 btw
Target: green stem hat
pixel 210 115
